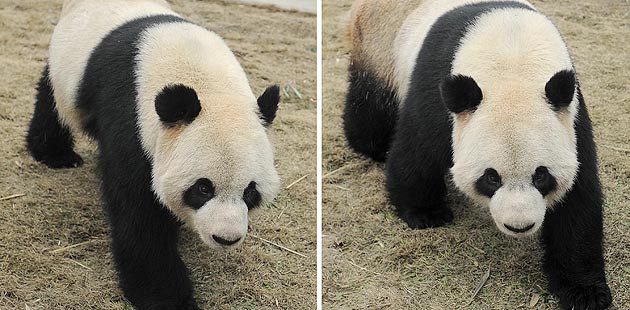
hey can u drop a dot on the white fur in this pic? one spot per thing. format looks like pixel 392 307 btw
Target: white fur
pixel 511 54
pixel 226 143
pixel 83 24
pixel 225 218
pixel 518 207
pixel 412 33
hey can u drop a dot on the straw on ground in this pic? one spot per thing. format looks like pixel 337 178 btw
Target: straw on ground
pixel 11 197
pixel 296 181
pixel 278 245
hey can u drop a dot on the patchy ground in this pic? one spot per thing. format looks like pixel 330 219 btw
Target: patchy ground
pixel 371 259
pixel 40 268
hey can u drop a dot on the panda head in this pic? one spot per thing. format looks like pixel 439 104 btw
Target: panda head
pixel 514 146
pixel 213 162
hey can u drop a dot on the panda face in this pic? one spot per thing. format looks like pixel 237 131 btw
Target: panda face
pixel 518 163
pixel 211 171
pixel 513 100
pixel 204 131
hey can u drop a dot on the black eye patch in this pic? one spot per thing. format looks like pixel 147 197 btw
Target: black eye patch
pixel 251 196
pixel 199 193
pixel 544 182
pixel 488 183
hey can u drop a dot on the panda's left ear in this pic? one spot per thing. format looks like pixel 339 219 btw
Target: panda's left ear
pixel 460 93
pixel 268 104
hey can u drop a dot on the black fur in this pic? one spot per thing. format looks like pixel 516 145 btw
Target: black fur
pixel 560 89
pixel 488 183
pixel 460 93
pixel 144 232
pixel 177 103
pixel 49 141
pixel 421 155
pixel 544 182
pixel 369 117
pixel 199 193
pixel 268 104
pixel 572 231
pixel 251 196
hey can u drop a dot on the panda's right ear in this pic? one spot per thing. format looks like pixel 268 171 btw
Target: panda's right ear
pixel 460 93
pixel 177 103
pixel 268 104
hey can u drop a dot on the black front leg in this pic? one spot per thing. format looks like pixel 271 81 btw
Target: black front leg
pixel 573 262
pixel 415 172
pixel 150 270
pixel 572 232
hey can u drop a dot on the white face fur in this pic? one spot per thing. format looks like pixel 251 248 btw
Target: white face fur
pixel 213 159
pixel 511 54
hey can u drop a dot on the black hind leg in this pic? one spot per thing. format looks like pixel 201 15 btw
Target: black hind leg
pixel 370 114
pixel 48 140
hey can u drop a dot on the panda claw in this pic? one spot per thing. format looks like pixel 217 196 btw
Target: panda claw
pixel 423 218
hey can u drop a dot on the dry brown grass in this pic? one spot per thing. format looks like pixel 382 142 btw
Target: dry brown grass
pixel 61 207
pixel 371 260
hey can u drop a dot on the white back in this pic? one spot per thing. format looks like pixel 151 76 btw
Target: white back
pixel 83 24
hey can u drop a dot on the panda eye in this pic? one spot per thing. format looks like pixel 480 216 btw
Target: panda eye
pixel 543 181
pixel 540 177
pixel 492 177
pixel 251 196
pixel 199 193
pixel 488 183
pixel 204 189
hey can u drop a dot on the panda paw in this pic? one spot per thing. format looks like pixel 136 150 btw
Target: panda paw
pixel 593 297
pixel 66 160
pixel 426 218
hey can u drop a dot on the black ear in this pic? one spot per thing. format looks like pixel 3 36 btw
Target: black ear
pixel 268 104
pixel 177 103
pixel 560 88
pixel 460 93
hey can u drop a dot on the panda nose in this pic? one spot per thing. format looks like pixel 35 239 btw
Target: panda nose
pixel 519 230
pixel 224 241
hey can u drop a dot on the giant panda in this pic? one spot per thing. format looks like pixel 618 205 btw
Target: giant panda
pixel 483 93
pixel 181 137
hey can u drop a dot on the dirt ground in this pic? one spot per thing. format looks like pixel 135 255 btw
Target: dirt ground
pixel 39 268
pixel 372 260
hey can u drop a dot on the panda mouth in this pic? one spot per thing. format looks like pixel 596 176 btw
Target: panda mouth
pixel 225 242
pixel 519 230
